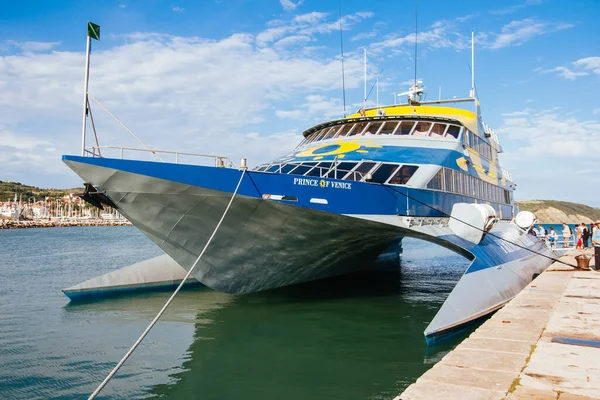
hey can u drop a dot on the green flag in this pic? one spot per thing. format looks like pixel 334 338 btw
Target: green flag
pixel 93 30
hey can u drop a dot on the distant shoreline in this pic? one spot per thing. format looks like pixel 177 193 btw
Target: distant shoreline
pixel 10 224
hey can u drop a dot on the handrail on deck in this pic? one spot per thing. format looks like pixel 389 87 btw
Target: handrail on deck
pixel 220 161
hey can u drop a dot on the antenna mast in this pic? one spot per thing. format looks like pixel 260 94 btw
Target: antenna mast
pixel 416 36
pixel 377 92
pixel 342 51
pixel 472 64
pixel 365 78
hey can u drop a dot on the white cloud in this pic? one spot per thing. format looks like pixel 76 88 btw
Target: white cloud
pixel 292 41
pixel 566 73
pixel 197 94
pixel 512 9
pixel 310 18
pixel 178 9
pixel 518 32
pixel 307 25
pixel 364 35
pixel 579 68
pixel 9 139
pixel 439 35
pixel 589 64
pixel 293 114
pixel 289 5
pixel 446 34
pixel 547 148
pixel 32 47
pixel 122 6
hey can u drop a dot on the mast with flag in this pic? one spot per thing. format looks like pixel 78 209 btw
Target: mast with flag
pixel 93 32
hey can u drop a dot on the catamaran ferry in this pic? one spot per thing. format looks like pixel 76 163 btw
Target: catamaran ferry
pixel 351 188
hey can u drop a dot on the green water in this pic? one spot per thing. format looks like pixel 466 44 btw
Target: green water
pixel 357 337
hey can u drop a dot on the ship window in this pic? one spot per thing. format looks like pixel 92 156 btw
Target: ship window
pixel 320 169
pixel 479 145
pixel 273 168
pixel 388 128
pixel 313 136
pixel 435 182
pixel 314 172
pixel 448 180
pixel 453 131
pixel 345 130
pixel 421 128
pixel 372 128
pixel 405 128
pixel 360 171
pixel 332 132
pixel 301 169
pixel 438 130
pixel 358 128
pixel 342 169
pixel 287 168
pixel 403 175
pixel 506 196
pixel 383 172
pixel 326 132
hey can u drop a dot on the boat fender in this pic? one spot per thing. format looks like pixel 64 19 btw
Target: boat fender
pixel 525 220
pixel 471 222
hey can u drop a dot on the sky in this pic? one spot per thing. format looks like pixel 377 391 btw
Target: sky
pixel 243 78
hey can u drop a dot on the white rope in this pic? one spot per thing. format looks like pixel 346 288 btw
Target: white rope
pixel 160 313
pixel 124 127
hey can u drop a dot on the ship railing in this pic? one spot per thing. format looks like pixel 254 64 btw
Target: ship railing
pixel 562 243
pixel 173 156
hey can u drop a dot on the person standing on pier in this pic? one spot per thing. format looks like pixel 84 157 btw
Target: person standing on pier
pixel 585 235
pixel 566 234
pixel 596 244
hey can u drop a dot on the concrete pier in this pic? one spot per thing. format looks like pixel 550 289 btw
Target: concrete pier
pixel 516 354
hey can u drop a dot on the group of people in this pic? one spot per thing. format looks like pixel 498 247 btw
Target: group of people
pixel 584 237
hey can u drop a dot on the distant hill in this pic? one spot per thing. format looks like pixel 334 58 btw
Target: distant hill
pixel 557 212
pixel 8 190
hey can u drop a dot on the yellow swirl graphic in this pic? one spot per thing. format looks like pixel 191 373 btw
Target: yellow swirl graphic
pixel 336 148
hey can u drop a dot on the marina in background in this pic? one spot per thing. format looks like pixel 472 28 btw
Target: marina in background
pixel 32 207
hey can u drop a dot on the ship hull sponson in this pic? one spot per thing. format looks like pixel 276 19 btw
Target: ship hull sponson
pixel 261 244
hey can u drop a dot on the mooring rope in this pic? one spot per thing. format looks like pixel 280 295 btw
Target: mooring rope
pixel 162 310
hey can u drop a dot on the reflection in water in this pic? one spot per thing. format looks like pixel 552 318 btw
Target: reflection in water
pixel 352 337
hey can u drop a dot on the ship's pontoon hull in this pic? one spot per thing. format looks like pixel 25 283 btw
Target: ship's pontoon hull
pixel 265 243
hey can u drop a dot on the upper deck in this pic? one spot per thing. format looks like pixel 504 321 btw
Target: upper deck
pixel 451 114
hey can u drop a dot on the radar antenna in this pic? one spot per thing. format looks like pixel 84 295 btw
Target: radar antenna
pixel 414 93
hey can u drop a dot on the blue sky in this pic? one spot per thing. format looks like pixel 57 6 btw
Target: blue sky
pixel 245 78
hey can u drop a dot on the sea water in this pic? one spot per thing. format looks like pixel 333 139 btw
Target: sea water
pixel 356 337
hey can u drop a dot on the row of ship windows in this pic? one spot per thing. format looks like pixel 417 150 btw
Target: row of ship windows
pixel 394 174
pixel 478 144
pixel 451 180
pixel 403 127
